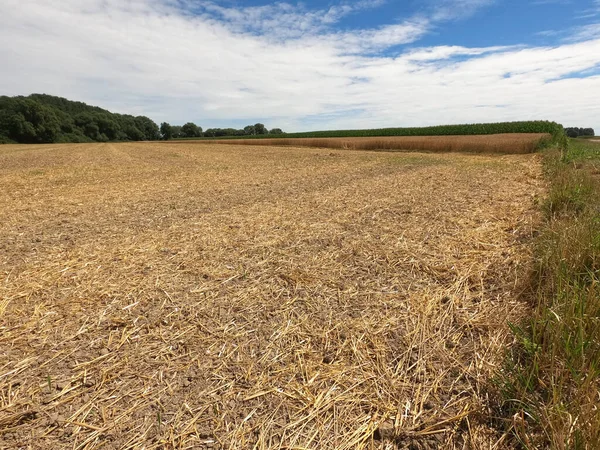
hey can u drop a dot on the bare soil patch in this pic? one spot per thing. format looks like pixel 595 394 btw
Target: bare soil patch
pixel 202 296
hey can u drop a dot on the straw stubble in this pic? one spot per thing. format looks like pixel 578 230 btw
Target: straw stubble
pixel 230 297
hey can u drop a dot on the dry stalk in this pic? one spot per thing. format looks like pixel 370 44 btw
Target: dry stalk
pixel 201 296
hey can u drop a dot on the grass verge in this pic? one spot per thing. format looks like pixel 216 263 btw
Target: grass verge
pixel 550 383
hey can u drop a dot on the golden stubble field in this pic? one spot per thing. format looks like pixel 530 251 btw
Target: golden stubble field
pixel 231 297
pixel 491 143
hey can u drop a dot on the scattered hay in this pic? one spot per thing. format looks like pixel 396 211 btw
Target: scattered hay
pixel 248 297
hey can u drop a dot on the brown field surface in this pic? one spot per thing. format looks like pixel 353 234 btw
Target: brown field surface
pixel 493 143
pixel 192 296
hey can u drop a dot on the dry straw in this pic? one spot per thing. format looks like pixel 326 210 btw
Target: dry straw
pixel 495 143
pixel 196 296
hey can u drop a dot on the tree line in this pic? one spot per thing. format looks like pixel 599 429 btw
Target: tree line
pixel 534 126
pixel 574 132
pixel 41 118
pixel 191 130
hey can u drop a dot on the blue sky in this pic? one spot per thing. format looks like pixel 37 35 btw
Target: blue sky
pixel 311 65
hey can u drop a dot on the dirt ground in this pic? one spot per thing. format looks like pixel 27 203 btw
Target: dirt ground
pixel 225 297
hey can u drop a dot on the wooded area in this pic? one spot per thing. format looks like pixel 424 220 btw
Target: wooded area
pixel 41 118
pixel 574 132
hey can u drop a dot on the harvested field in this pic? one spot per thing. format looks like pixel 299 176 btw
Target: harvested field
pixel 493 143
pixel 196 296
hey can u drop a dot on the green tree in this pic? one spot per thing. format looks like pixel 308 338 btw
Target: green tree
pixel 191 130
pixel 27 121
pixel 259 128
pixel 166 131
pixel 176 131
pixel 148 128
pixel 108 126
pixel 46 118
pixel 86 123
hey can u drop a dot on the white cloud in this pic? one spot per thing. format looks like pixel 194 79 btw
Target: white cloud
pixel 281 20
pixel 450 51
pixel 149 57
pixel 585 32
pixel 457 9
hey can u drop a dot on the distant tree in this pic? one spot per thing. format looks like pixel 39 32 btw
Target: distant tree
pixel 134 134
pixel 177 131
pixel 91 130
pixel 230 132
pixel 166 131
pixel 276 131
pixel 191 130
pixel 130 128
pixel 249 130
pixel 148 128
pixel 259 128
pixel 109 127
pixel 574 132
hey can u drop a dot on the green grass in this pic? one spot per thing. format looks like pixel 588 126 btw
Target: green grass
pixel 550 383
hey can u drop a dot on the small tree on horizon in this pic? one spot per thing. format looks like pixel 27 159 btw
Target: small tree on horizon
pixel 190 129
pixel 166 131
pixel 259 128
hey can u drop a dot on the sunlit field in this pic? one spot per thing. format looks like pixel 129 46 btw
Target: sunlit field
pixel 494 143
pixel 193 295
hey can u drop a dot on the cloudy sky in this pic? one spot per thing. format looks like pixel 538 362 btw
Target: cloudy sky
pixel 310 65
